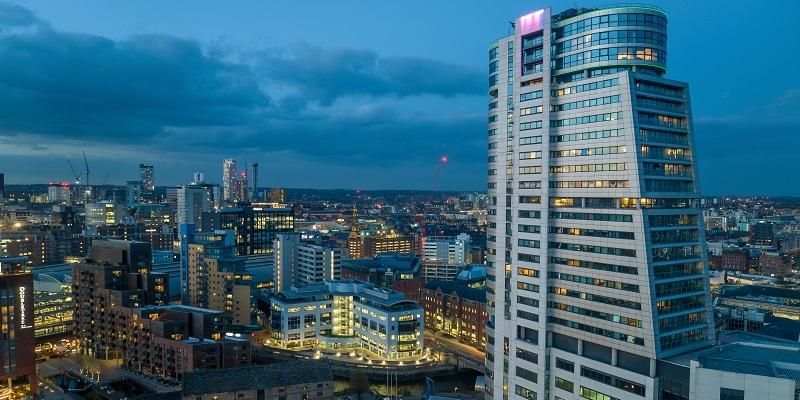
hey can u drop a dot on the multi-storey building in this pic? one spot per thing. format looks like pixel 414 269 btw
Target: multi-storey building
pixel 228 179
pixel 148 186
pixel 443 256
pixel 104 213
pixel 43 247
pixel 17 358
pixel 301 262
pixel 193 201
pixel 58 192
pixel 401 272
pixel 121 312
pixel 255 226
pixel 349 314
pixel 215 276
pixel 134 193
pixel 160 237
pixel 363 246
pixel 595 240
pixel 457 309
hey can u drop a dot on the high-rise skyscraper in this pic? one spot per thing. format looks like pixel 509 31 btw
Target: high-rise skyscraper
pixel 193 201
pixel 228 179
pixel 148 187
pixel 597 263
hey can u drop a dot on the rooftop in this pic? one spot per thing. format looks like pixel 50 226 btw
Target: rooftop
pixel 460 288
pixel 396 261
pixel 759 291
pixel 200 382
pixel 755 359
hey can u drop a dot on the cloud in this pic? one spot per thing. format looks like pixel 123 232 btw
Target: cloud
pixel 12 16
pixel 325 75
pixel 172 97
pixel 80 86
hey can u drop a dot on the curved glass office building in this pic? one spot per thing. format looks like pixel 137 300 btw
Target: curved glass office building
pixel 596 248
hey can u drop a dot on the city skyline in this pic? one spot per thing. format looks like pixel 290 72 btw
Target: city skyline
pixel 185 95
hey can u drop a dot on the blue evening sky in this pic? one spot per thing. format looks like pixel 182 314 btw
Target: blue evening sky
pixel 345 94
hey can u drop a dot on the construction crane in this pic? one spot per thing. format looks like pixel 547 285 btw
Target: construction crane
pixel 88 188
pixel 78 177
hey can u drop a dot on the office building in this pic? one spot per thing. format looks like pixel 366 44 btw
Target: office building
pixel 17 358
pixel 290 380
pixel 43 247
pixel 228 180
pixel 255 226
pixel 763 234
pixel 277 195
pixel 348 315
pixel 160 237
pixel 443 256
pixel 401 272
pixel 58 192
pixel 457 309
pixel 104 213
pixel 215 276
pixel 193 201
pixel 596 247
pixel 2 187
pixel 134 193
pixel 301 262
pixel 366 246
pixel 53 305
pixel 148 186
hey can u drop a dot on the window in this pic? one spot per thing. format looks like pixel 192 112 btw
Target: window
pixel 530 110
pixel 614 381
pixel 573 137
pixel 588 119
pixel 526 126
pixel 564 384
pixel 731 394
pixel 530 95
pixel 565 365
pixel 294 322
pixel 585 87
pixel 595 151
pixel 527 374
pixel 530 140
pixel 585 103
pixel 530 170
pixel 527 356
pixel 530 155
pixel 528 286
pixel 600 184
pixel 592 394
pixel 524 392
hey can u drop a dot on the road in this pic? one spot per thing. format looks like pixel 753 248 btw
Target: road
pixel 454 345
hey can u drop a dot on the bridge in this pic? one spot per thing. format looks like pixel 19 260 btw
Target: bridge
pixel 456 353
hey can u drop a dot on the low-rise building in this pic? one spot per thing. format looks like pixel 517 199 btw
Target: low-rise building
pixel 294 380
pixel 347 315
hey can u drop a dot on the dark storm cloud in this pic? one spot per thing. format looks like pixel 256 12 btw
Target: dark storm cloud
pixel 168 92
pixel 325 75
pixel 84 86
pixel 12 15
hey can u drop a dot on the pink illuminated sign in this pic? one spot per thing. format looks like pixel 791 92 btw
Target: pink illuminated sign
pixel 531 22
